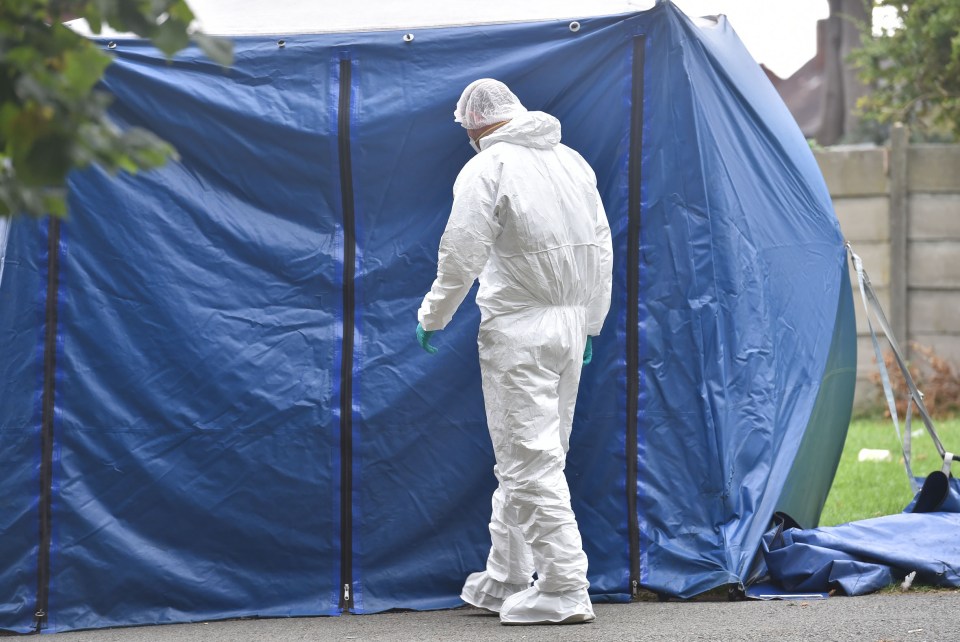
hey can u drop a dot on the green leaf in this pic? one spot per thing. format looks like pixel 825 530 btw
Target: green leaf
pixel 180 11
pixel 83 69
pixel 22 56
pixel 219 50
pixel 127 164
pixel 914 70
pixel 25 126
pixel 52 117
pixel 170 37
pixel 148 149
pixel 9 112
pixel 55 203
pixel 47 162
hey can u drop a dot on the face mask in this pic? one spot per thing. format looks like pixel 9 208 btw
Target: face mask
pixel 474 145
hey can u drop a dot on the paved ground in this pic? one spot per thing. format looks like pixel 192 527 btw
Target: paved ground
pixel 913 617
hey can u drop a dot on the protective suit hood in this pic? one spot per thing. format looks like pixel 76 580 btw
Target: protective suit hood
pixel 533 129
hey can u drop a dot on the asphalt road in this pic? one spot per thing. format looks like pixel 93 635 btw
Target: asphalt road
pixel 916 616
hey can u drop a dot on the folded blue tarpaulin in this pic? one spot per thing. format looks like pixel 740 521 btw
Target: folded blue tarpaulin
pixel 864 556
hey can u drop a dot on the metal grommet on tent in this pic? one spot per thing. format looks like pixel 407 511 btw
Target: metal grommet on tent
pixel 408 37
pixel 281 43
pixel 111 45
pixel 574 26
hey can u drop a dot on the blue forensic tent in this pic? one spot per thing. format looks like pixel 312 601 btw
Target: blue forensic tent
pixel 213 404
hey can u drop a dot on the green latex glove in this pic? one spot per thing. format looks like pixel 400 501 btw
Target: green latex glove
pixel 588 351
pixel 423 338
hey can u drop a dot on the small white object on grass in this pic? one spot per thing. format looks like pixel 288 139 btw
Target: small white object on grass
pixel 872 454
pixel 908 582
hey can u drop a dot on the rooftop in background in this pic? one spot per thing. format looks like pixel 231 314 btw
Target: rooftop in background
pixel 803 90
pixel 782 35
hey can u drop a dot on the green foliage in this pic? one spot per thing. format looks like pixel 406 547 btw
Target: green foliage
pixel 914 70
pixel 52 117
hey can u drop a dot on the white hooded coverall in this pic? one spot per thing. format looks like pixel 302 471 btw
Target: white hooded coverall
pixel 528 220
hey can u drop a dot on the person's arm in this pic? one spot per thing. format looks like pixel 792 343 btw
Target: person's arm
pixel 465 246
pixel 599 303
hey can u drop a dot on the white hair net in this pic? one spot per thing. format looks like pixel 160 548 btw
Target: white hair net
pixel 485 102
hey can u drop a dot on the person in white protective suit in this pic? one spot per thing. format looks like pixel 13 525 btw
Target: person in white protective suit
pixel 528 220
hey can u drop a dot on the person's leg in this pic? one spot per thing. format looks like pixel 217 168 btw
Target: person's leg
pixel 523 363
pixel 539 604
pixel 510 559
pixel 509 564
pixel 567 392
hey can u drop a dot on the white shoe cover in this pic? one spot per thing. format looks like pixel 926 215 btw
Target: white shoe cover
pixel 535 607
pixel 484 592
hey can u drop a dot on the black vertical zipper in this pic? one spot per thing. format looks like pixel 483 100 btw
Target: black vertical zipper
pixel 346 364
pixel 633 303
pixel 46 422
